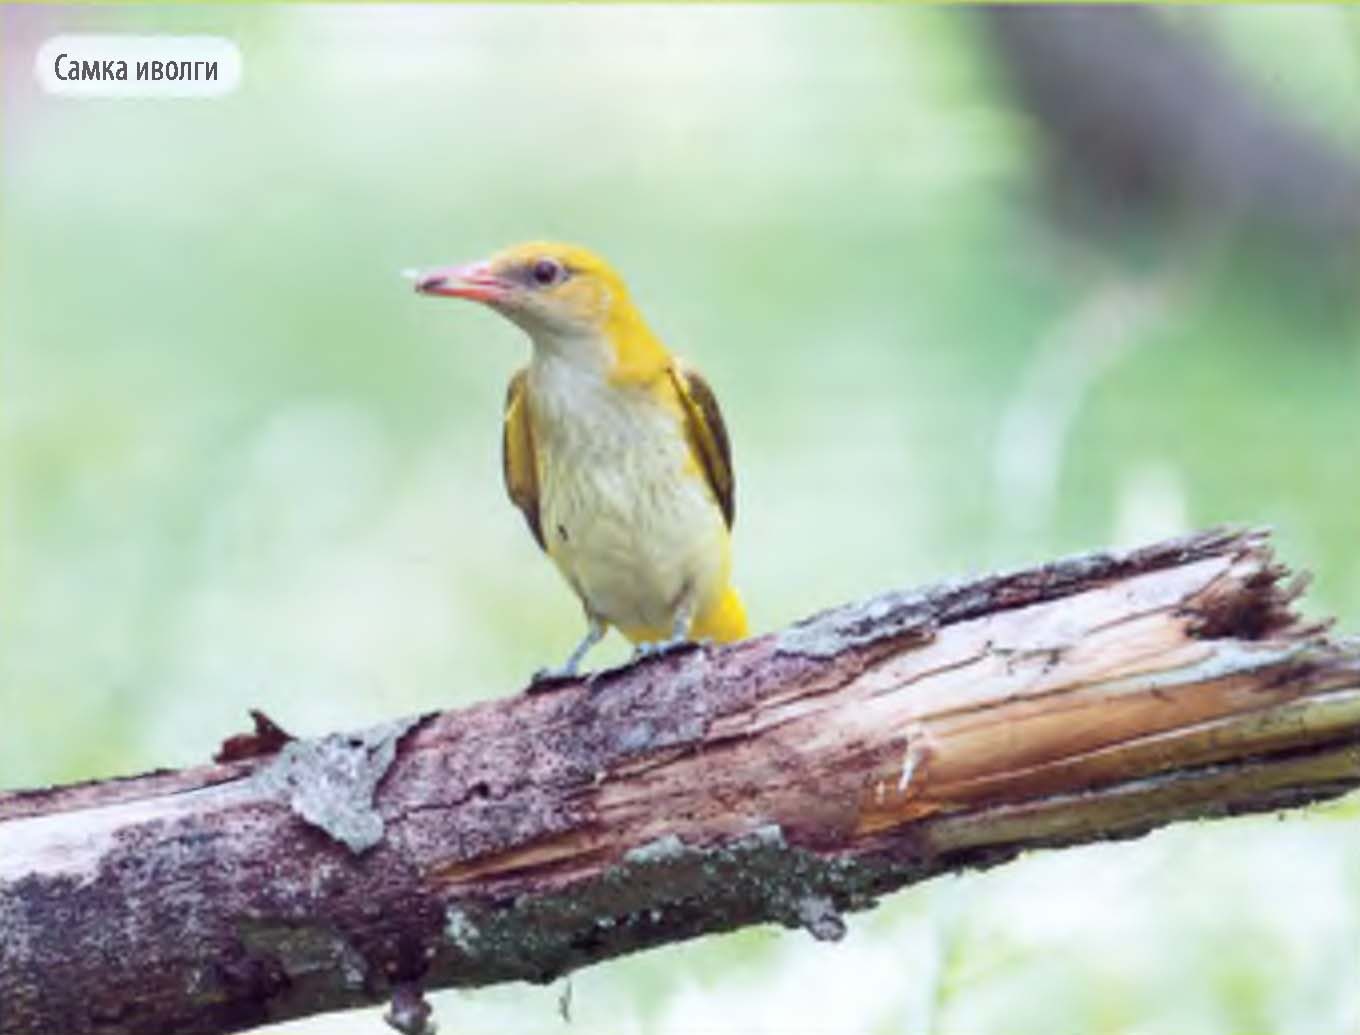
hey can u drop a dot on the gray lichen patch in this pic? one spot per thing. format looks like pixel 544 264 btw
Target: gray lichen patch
pixel 460 929
pixel 668 847
pixel 660 892
pixel 821 918
pixel 886 617
pixel 330 782
pixel 307 952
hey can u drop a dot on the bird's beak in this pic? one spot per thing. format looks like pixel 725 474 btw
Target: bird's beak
pixel 475 281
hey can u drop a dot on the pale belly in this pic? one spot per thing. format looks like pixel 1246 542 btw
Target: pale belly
pixel 629 520
pixel 636 545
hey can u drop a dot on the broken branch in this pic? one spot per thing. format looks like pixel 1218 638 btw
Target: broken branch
pixel 789 779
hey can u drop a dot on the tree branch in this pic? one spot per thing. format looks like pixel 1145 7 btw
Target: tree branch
pixel 786 779
pixel 1143 119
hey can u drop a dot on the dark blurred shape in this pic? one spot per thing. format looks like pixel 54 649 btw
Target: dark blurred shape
pixel 410 1012
pixel 1146 123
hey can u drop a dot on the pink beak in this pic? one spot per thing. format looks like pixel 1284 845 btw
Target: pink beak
pixel 475 281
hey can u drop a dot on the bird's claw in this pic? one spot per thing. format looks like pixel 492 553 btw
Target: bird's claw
pixel 661 648
pixel 546 679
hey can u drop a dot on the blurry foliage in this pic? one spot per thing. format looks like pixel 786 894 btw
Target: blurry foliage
pixel 244 466
pixel 1148 127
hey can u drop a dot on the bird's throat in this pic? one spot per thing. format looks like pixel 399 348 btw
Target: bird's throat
pixel 623 352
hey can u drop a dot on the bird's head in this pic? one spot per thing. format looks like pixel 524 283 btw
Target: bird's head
pixel 568 300
pixel 550 290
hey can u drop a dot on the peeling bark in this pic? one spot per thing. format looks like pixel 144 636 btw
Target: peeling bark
pixel 788 779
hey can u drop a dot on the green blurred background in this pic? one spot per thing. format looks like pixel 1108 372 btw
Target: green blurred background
pixel 244 466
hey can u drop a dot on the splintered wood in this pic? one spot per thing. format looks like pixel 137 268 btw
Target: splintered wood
pixel 785 779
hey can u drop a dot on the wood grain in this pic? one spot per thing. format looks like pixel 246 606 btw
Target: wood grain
pixel 785 779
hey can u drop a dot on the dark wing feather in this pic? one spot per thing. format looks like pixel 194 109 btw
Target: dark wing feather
pixel 517 455
pixel 707 436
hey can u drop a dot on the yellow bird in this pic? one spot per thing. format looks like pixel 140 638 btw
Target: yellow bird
pixel 614 450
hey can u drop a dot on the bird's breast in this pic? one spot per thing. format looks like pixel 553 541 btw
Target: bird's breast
pixel 625 510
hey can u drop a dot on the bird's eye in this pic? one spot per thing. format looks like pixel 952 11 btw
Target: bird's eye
pixel 547 272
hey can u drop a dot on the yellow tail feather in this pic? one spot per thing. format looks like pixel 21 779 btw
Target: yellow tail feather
pixel 724 622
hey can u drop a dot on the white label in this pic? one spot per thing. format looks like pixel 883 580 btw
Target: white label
pixel 138 66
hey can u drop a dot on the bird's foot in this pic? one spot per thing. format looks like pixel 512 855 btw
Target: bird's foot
pixel 551 678
pixel 662 648
pixel 547 679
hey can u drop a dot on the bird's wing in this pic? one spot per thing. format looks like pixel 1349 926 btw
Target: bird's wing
pixel 707 435
pixel 517 454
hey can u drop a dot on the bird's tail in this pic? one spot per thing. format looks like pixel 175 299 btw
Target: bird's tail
pixel 723 621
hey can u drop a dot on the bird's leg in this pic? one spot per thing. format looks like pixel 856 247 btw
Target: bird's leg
pixel 568 669
pixel 684 618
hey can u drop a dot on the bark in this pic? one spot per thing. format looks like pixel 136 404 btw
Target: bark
pixel 787 779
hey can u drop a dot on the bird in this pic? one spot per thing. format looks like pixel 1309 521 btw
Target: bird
pixel 613 449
